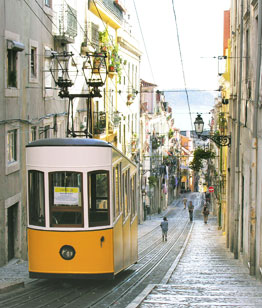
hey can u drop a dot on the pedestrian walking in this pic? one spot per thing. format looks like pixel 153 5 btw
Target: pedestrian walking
pixel 164 227
pixel 205 212
pixel 190 210
pixel 185 201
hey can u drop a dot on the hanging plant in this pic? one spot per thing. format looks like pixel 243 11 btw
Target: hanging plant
pixel 115 61
pixel 199 155
pixel 155 143
pixel 104 40
pixel 152 180
pixel 170 133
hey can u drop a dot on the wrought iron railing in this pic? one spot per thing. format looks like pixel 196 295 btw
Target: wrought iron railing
pixel 65 21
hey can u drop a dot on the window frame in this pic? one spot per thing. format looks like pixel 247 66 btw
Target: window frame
pixel 12 91
pixel 44 207
pixel 72 209
pixel 12 58
pixel 116 191
pixel 33 45
pixel 12 149
pixel 14 165
pixel 33 133
pixel 133 192
pixel 107 222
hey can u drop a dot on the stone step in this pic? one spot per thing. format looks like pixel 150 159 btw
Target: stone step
pixel 228 281
pixel 159 300
pixel 182 295
pixel 242 291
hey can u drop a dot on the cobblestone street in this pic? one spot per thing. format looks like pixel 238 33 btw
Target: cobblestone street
pixel 206 276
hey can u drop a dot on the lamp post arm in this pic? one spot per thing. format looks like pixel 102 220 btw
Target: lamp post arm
pixel 220 140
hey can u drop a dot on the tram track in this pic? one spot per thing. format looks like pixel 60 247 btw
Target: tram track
pixel 113 297
pixel 127 284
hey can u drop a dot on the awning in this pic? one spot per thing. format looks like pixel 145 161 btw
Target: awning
pixel 14 45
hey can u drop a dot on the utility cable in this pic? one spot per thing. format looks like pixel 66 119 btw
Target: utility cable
pixel 182 65
pixel 127 75
pixel 144 42
pixel 38 18
pixel 84 32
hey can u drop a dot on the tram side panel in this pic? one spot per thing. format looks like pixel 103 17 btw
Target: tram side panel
pixel 118 246
pixel 127 242
pixel 92 256
pixel 134 243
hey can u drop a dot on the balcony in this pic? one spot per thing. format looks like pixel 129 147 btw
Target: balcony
pixel 65 23
pixel 109 10
pixel 99 122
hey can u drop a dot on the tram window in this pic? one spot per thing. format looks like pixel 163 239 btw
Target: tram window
pixel 125 195
pixel 116 191
pixel 128 191
pixel 98 192
pixel 133 196
pixel 65 198
pixel 120 188
pixel 36 196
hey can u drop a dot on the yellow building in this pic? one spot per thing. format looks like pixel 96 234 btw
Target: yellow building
pixel 222 113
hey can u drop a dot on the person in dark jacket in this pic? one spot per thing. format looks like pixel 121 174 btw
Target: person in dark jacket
pixel 164 227
pixel 190 210
pixel 205 212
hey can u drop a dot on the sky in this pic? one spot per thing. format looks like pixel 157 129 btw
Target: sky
pixel 200 30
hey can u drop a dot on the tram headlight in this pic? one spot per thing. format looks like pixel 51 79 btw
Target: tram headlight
pixel 67 252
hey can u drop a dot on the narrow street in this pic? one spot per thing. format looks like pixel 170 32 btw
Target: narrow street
pixel 193 268
pixel 207 275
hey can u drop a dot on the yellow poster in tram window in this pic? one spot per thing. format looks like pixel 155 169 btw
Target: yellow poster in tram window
pixel 66 195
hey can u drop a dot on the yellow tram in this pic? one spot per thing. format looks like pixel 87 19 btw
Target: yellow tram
pixel 82 209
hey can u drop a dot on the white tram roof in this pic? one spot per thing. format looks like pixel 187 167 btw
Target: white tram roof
pixel 69 142
pixel 76 152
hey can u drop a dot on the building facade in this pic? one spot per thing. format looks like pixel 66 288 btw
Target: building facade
pixel 244 202
pixel 47 75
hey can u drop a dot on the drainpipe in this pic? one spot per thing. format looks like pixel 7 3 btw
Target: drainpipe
pixel 255 151
pixel 237 175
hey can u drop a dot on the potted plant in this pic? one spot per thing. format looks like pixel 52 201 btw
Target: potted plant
pixel 111 68
pixel 104 40
pixel 115 61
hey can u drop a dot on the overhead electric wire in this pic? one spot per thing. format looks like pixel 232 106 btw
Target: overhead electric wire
pixel 127 75
pixel 182 64
pixel 144 42
pixel 38 18
pixel 84 32
pixel 41 20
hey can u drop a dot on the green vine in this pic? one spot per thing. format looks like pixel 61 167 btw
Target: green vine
pixel 199 156
pixel 152 180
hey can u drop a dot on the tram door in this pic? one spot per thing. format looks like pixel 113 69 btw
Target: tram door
pixel 11 231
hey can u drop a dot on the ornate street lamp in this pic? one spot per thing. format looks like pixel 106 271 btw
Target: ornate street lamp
pixel 220 140
pixel 199 125
pixel 95 78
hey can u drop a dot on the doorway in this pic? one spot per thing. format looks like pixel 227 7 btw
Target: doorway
pixel 12 222
pixel 242 215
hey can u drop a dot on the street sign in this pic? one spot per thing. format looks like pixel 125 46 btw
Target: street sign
pixel 211 189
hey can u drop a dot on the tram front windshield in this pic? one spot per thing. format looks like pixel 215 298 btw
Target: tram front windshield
pixel 65 199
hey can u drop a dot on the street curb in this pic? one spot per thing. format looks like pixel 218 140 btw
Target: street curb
pixel 179 256
pixel 11 285
pixel 138 300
